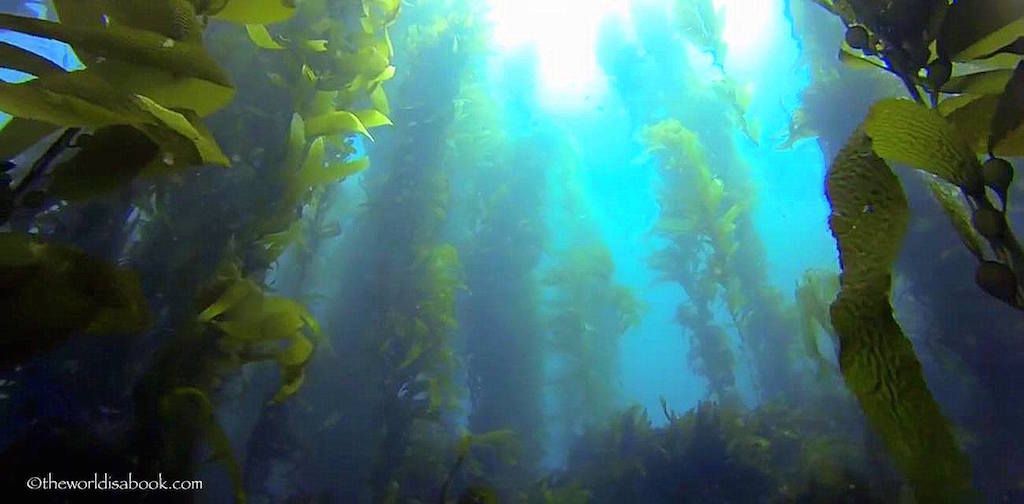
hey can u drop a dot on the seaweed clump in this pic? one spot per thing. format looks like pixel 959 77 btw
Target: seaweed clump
pixel 718 453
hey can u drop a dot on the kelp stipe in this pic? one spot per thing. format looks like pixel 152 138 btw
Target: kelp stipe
pixel 969 114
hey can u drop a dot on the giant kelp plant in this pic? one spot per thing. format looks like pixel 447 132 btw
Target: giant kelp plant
pixel 138 105
pixel 713 256
pixel 699 229
pixel 930 47
pixel 588 314
pixel 397 309
pixel 503 235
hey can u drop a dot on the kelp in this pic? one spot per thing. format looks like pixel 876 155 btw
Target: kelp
pixel 700 227
pixel 971 113
pixel 814 294
pixel 326 92
pixel 869 220
pixel 253 11
pixel 716 453
pixel 905 132
pixel 50 293
pixel 980 28
pixel 705 217
pixel 140 105
pixel 949 199
pixel 505 442
pixel 190 408
pixel 145 68
pixel 1009 110
pixel 587 317
pixel 256 326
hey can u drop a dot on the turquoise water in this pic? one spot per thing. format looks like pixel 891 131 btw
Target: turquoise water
pixel 568 272
pixel 619 181
pixel 573 96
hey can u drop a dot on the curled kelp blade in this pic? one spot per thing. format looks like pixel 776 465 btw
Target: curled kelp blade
pixel 869 220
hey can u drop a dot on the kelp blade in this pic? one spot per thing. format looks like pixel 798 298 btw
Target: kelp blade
pixel 869 220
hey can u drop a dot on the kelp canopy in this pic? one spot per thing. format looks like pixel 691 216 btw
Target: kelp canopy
pixel 347 251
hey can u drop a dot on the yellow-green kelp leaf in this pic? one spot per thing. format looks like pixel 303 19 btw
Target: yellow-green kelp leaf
pixel 296 144
pixel 379 100
pixel 255 323
pixel 814 294
pixel 979 83
pixel 51 292
pixel 976 28
pixel 311 167
pixel 905 131
pixel 952 103
pixel 316 175
pixel 344 169
pixel 335 123
pixel 387 74
pixel 140 47
pixel 973 122
pixel 323 102
pixel 291 381
pixel 316 45
pixel 256 11
pixel 31 100
pixel 232 295
pixel 505 442
pixel 372 118
pixel 261 37
pixel 207 148
pixel 166 88
pixel 952 204
pixel 167 85
pixel 80 99
pixel 191 406
pixel 869 220
pixel 854 60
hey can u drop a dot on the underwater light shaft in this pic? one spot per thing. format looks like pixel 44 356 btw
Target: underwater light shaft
pixel 564 34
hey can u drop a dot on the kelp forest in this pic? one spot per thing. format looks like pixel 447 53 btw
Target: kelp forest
pixel 501 251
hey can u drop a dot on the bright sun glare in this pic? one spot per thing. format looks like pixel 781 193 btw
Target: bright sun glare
pixel 564 33
pixel 748 26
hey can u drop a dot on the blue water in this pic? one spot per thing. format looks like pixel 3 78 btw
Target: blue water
pixel 619 180
pixel 592 93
